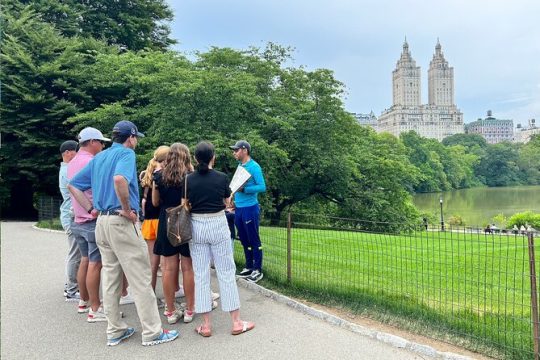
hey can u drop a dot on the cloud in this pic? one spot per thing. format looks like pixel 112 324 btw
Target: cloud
pixel 492 44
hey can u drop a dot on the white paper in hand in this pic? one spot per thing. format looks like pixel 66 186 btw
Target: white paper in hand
pixel 241 176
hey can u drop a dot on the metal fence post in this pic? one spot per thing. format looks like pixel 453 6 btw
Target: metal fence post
pixel 534 299
pixel 51 216
pixel 289 240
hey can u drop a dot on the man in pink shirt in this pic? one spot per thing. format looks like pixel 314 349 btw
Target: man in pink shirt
pixel 91 142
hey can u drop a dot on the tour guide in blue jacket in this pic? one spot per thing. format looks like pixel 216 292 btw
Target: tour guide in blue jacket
pixel 247 212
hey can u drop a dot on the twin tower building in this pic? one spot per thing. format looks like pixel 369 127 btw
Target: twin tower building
pixel 437 119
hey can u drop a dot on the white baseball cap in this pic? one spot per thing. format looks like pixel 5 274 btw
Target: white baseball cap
pixel 91 133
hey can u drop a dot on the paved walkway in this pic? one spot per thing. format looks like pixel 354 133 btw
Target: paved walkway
pixel 36 323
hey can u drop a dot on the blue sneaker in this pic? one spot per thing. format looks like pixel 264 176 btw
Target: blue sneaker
pixel 165 336
pixel 113 342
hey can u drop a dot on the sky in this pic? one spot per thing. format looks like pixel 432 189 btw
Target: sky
pixel 493 45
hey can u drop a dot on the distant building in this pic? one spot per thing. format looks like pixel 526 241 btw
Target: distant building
pixel 366 119
pixel 440 117
pixel 492 129
pixel 524 134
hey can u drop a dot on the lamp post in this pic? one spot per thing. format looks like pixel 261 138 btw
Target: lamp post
pixel 442 218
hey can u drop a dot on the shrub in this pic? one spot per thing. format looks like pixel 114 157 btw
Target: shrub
pixel 524 219
pixel 500 220
pixel 456 220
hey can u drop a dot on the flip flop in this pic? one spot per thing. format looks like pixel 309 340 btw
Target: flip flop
pixel 245 328
pixel 199 330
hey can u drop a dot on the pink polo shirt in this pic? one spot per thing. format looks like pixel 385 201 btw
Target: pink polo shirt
pixel 80 160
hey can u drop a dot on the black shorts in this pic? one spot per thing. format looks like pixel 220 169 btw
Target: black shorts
pixel 163 247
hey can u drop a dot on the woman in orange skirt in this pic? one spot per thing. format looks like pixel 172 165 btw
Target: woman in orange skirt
pixel 150 212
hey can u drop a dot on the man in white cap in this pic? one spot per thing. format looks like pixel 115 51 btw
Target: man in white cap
pixel 91 142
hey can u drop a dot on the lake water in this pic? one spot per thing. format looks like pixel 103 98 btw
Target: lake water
pixel 478 206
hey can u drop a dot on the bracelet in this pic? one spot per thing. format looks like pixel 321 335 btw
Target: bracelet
pixel 90 210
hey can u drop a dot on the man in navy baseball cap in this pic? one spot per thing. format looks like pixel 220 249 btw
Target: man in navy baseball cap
pixel 126 128
pixel 112 175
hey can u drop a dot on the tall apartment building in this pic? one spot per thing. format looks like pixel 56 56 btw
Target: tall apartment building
pixel 437 119
pixel 492 129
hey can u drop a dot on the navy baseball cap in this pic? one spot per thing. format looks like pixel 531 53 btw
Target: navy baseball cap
pixel 241 144
pixel 68 145
pixel 126 128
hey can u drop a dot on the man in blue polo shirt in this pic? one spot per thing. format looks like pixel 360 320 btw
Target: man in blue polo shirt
pixel 247 212
pixel 112 175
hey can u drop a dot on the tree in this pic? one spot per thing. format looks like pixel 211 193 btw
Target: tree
pixel 41 80
pixel 425 155
pixel 311 150
pixel 129 24
pixel 499 167
pixel 529 161
pixel 469 141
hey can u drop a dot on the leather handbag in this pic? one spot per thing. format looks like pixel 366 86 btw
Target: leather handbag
pixel 179 221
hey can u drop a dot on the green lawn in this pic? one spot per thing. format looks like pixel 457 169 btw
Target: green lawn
pixel 53 224
pixel 471 289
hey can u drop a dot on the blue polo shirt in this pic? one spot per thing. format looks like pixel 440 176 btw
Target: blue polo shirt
pixel 253 186
pixel 99 175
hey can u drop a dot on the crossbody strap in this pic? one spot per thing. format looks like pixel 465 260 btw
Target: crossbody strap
pixel 185 187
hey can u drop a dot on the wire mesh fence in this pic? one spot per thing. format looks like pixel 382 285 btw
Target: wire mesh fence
pixel 49 211
pixel 461 285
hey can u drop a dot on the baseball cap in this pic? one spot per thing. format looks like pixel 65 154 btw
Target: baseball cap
pixel 241 144
pixel 90 133
pixel 126 128
pixel 68 145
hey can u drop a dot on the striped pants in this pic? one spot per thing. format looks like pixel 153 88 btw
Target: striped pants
pixel 211 239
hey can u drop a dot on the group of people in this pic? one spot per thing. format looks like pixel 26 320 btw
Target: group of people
pixel 100 214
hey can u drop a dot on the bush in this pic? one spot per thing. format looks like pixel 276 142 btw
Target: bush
pixel 456 220
pixel 524 219
pixel 500 220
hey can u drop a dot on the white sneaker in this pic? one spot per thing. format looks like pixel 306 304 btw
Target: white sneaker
pixel 176 306
pixel 173 317
pixel 96 316
pixel 215 296
pixel 180 292
pixel 128 299
pixel 188 316
pixel 83 306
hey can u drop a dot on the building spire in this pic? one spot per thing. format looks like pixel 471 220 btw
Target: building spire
pixel 438 48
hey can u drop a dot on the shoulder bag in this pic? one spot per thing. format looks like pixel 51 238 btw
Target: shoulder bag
pixel 179 221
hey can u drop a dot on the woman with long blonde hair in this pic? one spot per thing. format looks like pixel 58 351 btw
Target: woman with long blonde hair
pixel 167 191
pixel 151 212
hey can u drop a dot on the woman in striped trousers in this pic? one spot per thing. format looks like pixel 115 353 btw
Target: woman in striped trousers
pixel 208 192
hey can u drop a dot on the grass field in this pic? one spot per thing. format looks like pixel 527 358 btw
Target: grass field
pixel 470 289
pixel 53 224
